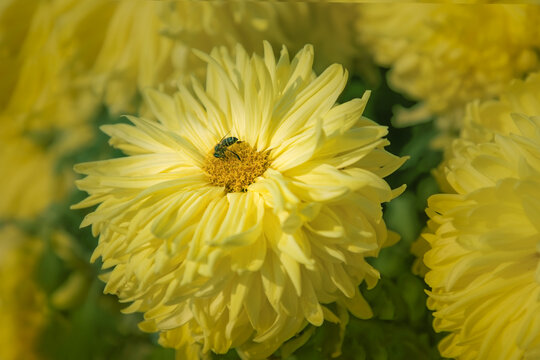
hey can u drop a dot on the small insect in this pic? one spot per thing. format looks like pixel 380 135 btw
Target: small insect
pixel 222 146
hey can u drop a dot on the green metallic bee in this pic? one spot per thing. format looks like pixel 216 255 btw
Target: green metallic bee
pixel 222 146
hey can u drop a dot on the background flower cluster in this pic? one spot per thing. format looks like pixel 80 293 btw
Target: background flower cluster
pixel 457 85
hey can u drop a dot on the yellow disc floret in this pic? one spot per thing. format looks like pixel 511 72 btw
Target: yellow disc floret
pixel 236 174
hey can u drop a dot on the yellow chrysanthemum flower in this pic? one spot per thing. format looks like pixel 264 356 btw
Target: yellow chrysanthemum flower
pixel 22 304
pixel 440 55
pixel 485 235
pixel 249 204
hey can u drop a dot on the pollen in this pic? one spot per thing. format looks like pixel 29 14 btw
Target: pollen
pixel 234 174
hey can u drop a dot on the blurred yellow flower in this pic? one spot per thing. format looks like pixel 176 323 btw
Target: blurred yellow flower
pixel 14 24
pixel 30 185
pixel 485 235
pixel 134 53
pixel 249 204
pixel 204 25
pixel 22 304
pixel 44 90
pixel 65 56
pixel 444 55
pixel 43 106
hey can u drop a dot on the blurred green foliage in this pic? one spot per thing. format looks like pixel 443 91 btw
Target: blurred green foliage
pixel 92 327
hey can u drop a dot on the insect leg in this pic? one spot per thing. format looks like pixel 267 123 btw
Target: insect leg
pixel 235 154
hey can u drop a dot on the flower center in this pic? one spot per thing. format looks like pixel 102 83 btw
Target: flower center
pixel 235 167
